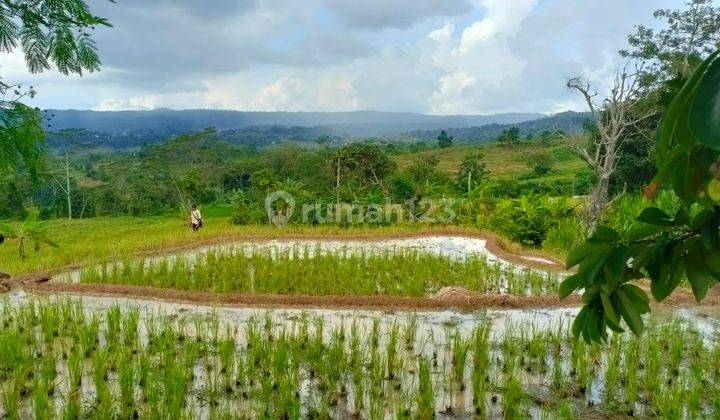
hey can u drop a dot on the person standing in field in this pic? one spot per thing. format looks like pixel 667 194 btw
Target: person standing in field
pixel 195 218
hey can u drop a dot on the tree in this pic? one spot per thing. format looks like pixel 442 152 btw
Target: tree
pixel 611 117
pixel 471 172
pixel 423 168
pixel 50 32
pixel 365 164
pixel 263 179
pixel 541 163
pixel 664 248
pixel 323 141
pixel 443 140
pixel 65 162
pixel 689 35
pixel 669 54
pixel 510 136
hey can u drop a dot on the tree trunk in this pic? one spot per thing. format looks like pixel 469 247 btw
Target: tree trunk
pixel 598 200
pixel 67 185
pixel 337 183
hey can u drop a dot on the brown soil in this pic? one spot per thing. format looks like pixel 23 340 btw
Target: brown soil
pixel 465 301
pixel 449 298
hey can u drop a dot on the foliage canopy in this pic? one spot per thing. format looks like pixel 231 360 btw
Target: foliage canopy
pixel 662 247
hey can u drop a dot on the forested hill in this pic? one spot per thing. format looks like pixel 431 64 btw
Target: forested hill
pixel 353 124
pixel 129 129
pixel 569 122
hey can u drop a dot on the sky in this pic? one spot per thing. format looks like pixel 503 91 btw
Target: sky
pixel 445 57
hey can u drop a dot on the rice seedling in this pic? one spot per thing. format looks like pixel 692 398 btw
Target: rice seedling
pixel 425 395
pixel 14 391
pixel 401 274
pixel 612 371
pixel 480 365
pixel 460 349
pixel 391 351
pixel 42 404
pixel 410 332
pixel 513 398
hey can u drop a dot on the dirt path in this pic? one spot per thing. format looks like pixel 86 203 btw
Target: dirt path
pixel 462 302
pixel 451 298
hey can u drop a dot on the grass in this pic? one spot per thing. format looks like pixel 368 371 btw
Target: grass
pixel 401 274
pixel 502 161
pixel 57 359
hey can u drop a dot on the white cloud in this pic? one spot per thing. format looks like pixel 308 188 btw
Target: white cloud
pixel 439 57
pixel 329 92
pixel 138 103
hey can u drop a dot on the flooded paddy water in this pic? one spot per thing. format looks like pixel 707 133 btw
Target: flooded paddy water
pixel 86 356
pixel 339 363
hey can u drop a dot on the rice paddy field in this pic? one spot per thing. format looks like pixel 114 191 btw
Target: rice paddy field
pixel 72 359
pixel 88 352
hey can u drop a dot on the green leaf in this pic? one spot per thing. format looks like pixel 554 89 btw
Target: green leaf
pixel 630 313
pixel 668 281
pixel 636 294
pixel 569 285
pixel 678 109
pixel 704 118
pixel 604 234
pixel 608 308
pixel 579 253
pixel 656 217
pixel 710 231
pixel 677 178
pixel 593 264
pixel 591 293
pixel 697 172
pixel 579 321
pixel 669 166
pixel 640 253
pixel 643 231
pixel 697 271
pixel 712 259
pixel 701 218
pixel 616 264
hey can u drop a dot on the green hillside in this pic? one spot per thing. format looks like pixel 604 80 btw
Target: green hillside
pixel 505 162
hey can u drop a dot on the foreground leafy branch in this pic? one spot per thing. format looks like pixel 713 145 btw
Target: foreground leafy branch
pixel 664 248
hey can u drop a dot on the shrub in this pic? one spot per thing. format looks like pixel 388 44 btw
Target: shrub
pixel 541 163
pixel 402 187
pixel 528 219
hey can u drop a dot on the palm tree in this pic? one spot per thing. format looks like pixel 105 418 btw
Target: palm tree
pixel 31 230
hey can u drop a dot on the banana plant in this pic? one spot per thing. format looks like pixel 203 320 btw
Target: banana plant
pixel 31 231
pixel 662 247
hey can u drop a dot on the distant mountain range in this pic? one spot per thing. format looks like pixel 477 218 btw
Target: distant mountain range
pixel 353 124
pixel 568 122
pixel 126 129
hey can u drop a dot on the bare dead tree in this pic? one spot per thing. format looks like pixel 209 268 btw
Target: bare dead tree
pixel 612 115
pixel 64 183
